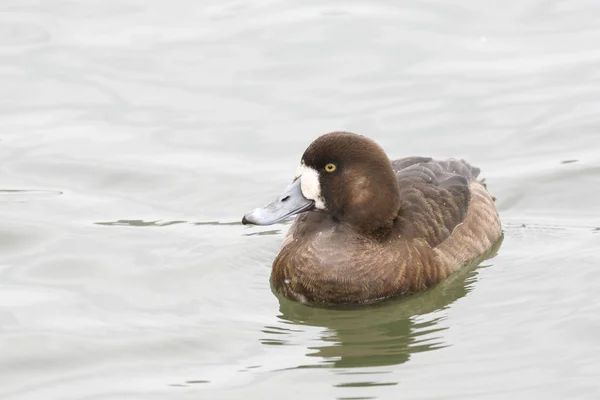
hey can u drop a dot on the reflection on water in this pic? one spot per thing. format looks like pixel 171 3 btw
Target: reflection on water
pixel 376 335
pixel 139 223
pixel 142 223
pixel 22 194
pixel 262 233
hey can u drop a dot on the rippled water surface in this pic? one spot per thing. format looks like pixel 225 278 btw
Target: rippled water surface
pixel 134 134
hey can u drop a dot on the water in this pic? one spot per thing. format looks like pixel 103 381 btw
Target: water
pixel 135 134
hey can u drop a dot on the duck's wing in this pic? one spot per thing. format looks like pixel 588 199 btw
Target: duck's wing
pixel 434 196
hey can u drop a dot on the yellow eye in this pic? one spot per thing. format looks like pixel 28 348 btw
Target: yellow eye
pixel 330 167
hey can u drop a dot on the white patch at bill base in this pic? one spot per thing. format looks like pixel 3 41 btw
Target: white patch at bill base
pixel 310 185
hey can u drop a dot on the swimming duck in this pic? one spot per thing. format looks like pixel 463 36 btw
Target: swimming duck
pixel 368 229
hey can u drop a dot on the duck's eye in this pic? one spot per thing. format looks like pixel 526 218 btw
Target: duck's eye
pixel 330 167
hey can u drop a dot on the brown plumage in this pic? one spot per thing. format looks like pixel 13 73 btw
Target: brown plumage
pixel 388 228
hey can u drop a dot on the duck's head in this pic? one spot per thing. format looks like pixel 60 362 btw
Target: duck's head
pixel 343 174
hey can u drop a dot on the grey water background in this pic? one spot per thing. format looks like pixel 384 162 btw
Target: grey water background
pixel 134 134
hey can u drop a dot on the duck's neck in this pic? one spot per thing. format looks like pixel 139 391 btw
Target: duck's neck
pixel 372 204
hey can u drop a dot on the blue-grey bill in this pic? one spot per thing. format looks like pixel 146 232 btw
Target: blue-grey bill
pixel 290 202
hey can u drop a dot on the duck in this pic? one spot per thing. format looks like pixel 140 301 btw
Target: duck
pixel 367 228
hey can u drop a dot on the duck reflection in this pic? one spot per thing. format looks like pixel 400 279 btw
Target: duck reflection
pixel 377 335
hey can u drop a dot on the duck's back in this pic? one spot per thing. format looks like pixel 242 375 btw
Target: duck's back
pixel 443 203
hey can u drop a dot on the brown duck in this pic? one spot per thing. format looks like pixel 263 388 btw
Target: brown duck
pixel 369 228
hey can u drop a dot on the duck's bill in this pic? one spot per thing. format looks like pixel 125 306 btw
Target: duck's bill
pixel 290 202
